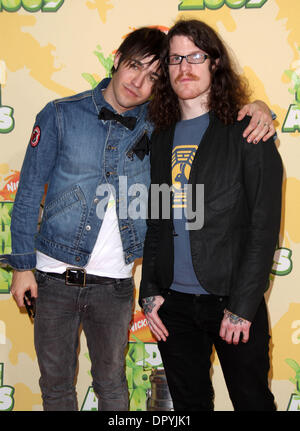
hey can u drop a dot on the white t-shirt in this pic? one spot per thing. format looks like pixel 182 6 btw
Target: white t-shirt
pixel 107 257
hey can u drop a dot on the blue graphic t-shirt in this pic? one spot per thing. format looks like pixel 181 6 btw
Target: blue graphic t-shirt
pixel 188 134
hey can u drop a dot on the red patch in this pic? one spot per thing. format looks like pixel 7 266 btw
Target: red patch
pixel 35 137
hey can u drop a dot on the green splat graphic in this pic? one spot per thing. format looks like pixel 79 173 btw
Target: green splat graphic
pixel 5 244
pixel 106 62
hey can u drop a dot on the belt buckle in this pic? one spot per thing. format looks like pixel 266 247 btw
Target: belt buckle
pixel 70 273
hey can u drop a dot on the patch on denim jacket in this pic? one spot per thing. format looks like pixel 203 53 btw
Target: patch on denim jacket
pixel 35 136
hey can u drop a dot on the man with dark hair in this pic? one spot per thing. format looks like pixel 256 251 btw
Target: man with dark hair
pixel 204 285
pixel 90 149
pixel 83 146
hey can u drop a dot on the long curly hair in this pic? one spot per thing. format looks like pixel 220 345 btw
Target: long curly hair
pixel 229 90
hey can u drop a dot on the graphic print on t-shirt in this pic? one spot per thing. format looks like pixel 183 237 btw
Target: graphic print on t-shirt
pixel 187 138
pixel 182 159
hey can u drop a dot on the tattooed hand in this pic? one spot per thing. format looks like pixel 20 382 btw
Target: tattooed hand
pixel 151 304
pixel 232 326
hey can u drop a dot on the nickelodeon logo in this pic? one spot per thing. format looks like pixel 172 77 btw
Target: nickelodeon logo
pixel 31 5
pixel 140 329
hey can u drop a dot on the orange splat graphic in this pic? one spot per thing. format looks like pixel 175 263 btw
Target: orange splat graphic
pixel 9 189
pixel 140 329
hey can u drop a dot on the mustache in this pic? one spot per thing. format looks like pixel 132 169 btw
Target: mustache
pixel 186 75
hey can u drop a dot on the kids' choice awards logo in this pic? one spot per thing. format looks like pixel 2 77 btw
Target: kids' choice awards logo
pixel 294 402
pixel 217 4
pixel 6 393
pixel 7 122
pixel 292 120
pixel 282 262
pixel 31 5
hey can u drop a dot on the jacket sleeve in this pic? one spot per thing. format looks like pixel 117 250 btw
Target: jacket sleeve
pixel 37 166
pixel 149 284
pixel 262 169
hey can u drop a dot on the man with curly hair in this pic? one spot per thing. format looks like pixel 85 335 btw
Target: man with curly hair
pixel 203 285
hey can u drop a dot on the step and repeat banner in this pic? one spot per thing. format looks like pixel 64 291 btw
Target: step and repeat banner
pixel 55 48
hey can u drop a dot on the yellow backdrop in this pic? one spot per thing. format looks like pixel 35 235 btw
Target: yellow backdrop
pixel 54 48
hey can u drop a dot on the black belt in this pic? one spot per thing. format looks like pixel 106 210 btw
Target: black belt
pixel 79 277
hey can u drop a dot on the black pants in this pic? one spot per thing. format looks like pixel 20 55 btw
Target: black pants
pixel 193 323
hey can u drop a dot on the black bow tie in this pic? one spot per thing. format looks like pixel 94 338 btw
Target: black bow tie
pixel 106 114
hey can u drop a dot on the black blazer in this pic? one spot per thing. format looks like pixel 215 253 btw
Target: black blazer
pixel 232 253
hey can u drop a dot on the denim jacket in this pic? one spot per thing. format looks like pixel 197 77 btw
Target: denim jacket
pixel 74 153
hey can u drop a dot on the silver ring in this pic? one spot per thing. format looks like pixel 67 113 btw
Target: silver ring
pixel 266 124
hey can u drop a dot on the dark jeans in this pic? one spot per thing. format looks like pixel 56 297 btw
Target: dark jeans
pixel 105 312
pixel 193 323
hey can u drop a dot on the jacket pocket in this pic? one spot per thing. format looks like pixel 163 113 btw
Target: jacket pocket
pixel 63 202
pixel 226 199
pixel 64 218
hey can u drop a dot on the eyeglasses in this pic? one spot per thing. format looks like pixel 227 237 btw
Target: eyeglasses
pixel 197 58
